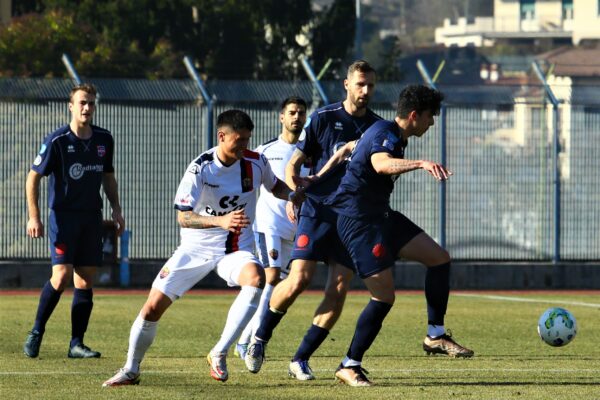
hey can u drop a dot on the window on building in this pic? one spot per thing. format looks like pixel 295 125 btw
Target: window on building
pixel 567 9
pixel 527 9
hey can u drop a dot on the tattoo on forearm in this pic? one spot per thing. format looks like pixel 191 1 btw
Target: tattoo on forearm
pixel 400 166
pixel 194 221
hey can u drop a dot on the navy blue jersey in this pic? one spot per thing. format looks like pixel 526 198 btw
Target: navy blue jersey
pixel 326 130
pixel 75 167
pixel 363 193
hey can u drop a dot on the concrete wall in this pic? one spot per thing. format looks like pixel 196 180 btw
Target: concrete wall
pixel 472 275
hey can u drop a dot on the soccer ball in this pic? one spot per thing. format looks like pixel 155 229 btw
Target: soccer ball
pixel 557 326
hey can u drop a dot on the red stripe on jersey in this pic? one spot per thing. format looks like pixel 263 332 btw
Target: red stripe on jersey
pixel 251 154
pixel 247 176
pixel 232 243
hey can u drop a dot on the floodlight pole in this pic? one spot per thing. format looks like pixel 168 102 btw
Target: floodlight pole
pixel 443 156
pixel 358 33
pixel 555 165
pixel 189 65
pixel 71 68
pixel 311 75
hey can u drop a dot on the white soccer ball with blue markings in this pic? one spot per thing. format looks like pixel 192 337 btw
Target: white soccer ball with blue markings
pixel 557 326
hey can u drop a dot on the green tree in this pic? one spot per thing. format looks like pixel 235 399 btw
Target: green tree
pixel 333 37
pixel 32 44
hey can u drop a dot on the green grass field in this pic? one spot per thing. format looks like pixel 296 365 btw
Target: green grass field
pixel 510 360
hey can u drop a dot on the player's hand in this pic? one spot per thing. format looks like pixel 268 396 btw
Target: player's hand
pixel 119 220
pixel 35 228
pixel 438 171
pixel 303 182
pixel 290 211
pixel 234 221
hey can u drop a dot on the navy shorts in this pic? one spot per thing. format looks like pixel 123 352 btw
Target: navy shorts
pixel 75 238
pixel 374 244
pixel 317 240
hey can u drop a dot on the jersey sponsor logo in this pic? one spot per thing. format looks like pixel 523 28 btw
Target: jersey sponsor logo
pixel 164 272
pixel 38 160
pixel 101 151
pixel 302 241
pixel 378 250
pixel 274 254
pixel 70 149
pixel 43 148
pixel 211 185
pixel 77 170
pixel 228 204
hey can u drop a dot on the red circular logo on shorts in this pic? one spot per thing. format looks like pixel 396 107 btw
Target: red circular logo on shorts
pixel 61 249
pixel 302 241
pixel 378 250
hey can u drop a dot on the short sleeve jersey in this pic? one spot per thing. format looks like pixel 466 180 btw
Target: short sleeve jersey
pixel 75 168
pixel 210 188
pixel 326 130
pixel 270 211
pixel 363 193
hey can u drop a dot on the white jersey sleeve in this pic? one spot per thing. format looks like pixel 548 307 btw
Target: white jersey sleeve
pixel 271 218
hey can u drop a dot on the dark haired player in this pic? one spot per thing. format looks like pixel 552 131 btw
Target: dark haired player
pixel 78 158
pixel 376 236
pixel 215 204
pixel 327 129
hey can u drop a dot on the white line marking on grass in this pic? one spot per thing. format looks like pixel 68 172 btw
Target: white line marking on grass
pixel 527 300
pixel 324 371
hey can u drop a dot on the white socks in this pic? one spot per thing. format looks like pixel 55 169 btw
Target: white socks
pixel 260 311
pixel 348 362
pixel 240 313
pixel 434 331
pixel 141 337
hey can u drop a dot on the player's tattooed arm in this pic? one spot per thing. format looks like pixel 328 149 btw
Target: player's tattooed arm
pixel 233 221
pixel 385 164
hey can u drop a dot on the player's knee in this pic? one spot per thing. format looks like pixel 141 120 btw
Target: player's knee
pixel 440 257
pixel 298 283
pixel 252 275
pixel 60 280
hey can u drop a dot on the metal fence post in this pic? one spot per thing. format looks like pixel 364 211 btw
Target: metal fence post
pixel 71 68
pixel 555 164
pixel 442 203
pixel 207 99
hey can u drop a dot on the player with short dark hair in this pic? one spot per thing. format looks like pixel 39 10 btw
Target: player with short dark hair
pixel 376 236
pixel 78 158
pixel 327 129
pixel 274 233
pixel 215 204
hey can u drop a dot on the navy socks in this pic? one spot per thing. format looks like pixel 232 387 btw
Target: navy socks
pixel 310 343
pixel 268 324
pixel 81 309
pixel 48 300
pixel 367 327
pixel 437 291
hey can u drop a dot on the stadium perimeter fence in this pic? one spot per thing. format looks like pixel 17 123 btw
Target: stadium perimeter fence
pixel 499 204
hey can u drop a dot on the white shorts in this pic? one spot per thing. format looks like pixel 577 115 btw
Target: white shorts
pixel 274 252
pixel 186 267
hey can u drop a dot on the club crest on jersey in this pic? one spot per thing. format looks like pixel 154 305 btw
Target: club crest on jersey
pixel 338 126
pixel 164 272
pixel 274 254
pixel 388 144
pixel 101 151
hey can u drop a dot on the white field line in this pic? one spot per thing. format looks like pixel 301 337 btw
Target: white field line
pixel 324 371
pixel 527 300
